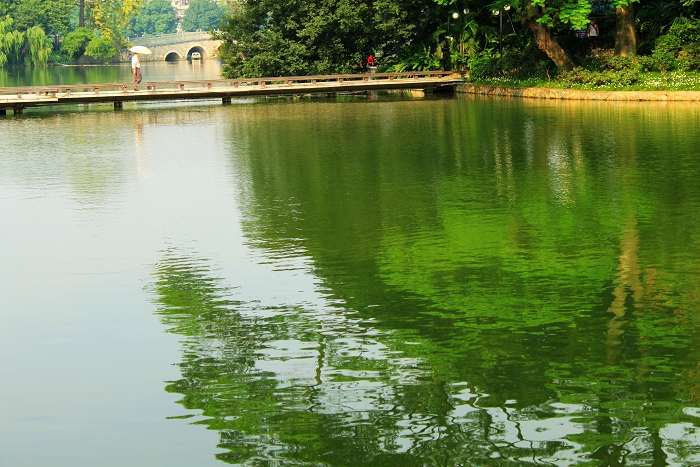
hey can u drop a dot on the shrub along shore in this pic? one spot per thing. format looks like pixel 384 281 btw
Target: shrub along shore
pixel 672 64
pixel 600 73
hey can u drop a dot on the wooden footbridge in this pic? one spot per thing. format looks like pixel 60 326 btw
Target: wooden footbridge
pixel 19 98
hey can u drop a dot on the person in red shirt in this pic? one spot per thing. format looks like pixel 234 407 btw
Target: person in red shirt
pixel 370 60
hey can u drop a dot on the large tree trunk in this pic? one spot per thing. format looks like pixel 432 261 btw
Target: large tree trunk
pixel 549 45
pixel 81 14
pixel 625 37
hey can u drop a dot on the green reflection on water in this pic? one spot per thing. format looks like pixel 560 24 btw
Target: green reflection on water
pixel 514 283
pixel 117 73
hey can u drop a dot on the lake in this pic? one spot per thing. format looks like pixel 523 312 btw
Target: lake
pixel 367 280
pixel 119 73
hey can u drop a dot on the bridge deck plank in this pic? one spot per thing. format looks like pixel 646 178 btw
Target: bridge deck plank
pixel 22 97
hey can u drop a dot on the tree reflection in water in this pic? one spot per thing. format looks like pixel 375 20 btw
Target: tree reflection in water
pixel 326 388
pixel 515 306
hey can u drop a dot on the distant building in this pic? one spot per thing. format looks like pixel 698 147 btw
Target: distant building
pixel 180 7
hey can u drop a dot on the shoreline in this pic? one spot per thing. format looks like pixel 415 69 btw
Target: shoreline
pixel 533 92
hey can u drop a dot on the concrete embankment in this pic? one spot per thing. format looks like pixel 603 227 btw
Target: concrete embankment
pixel 573 94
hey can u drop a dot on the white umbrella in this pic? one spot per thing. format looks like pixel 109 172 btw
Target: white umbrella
pixel 139 49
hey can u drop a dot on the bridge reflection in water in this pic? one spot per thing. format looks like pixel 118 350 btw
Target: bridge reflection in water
pixel 19 98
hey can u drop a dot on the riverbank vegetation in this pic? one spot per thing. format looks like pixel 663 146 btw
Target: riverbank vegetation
pixel 647 44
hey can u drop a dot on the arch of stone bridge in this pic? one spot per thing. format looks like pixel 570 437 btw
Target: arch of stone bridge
pixel 199 49
pixel 184 50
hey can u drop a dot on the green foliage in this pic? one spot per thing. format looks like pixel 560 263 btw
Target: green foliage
pixel 203 15
pixel 11 41
pixel 604 71
pixel 483 67
pixel 75 43
pixel 270 54
pixel 614 63
pixel 582 77
pixel 423 59
pixel 327 36
pixel 449 46
pixel 39 46
pixel 678 48
pixel 155 17
pixel 111 18
pixel 575 13
pixel 31 47
pixel 101 48
pixel 689 57
pixel 667 47
pixel 521 60
pixel 53 16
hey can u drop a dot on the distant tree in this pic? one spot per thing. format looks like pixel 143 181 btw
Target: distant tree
pixel 290 37
pixel 38 48
pixel 11 41
pixel 75 43
pixel 111 18
pixel 203 15
pixel 101 48
pixel 52 15
pixel 30 47
pixel 155 17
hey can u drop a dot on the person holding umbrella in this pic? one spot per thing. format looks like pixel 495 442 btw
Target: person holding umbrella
pixel 136 70
pixel 136 63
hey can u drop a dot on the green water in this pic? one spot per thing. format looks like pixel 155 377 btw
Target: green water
pixel 118 73
pixel 378 280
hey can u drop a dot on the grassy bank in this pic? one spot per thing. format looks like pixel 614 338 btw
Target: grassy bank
pixel 645 81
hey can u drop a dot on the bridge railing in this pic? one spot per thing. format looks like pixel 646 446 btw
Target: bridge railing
pixel 210 83
pixel 35 95
pixel 169 39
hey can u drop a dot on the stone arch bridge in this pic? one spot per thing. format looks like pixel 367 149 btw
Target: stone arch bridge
pixel 178 46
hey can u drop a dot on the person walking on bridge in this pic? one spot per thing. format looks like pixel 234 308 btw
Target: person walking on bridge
pixel 136 70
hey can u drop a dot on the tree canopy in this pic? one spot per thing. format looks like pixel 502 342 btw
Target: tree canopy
pixel 28 47
pixel 270 37
pixel 155 17
pixel 266 37
pixel 53 16
pixel 203 15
